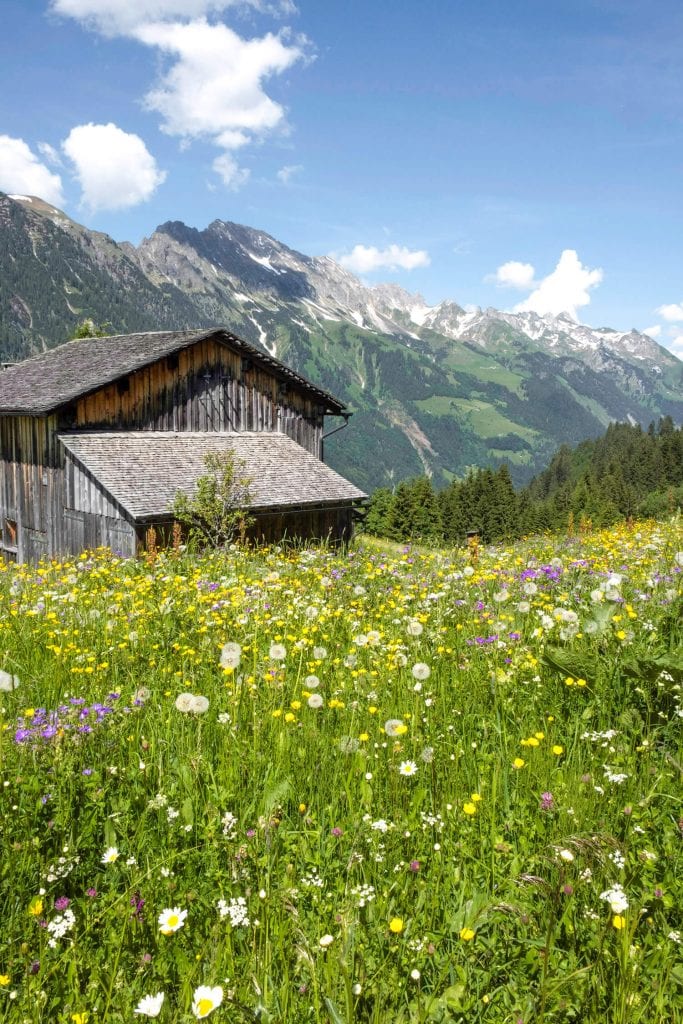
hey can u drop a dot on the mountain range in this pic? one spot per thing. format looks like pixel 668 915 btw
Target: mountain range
pixel 434 389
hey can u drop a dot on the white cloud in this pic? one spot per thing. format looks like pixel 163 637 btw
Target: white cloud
pixel 232 175
pixel 122 17
pixel 115 169
pixel 365 258
pixel 214 89
pixel 676 346
pixel 22 172
pixel 653 332
pixel 50 154
pixel 565 290
pixel 515 275
pixel 213 84
pixel 673 312
pixel 286 173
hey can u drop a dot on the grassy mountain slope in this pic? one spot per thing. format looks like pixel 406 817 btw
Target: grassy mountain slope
pixel 438 395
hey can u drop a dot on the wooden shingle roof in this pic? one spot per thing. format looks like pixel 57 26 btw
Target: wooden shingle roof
pixel 143 470
pixel 39 385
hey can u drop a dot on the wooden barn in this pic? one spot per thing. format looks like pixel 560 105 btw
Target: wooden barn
pixel 98 435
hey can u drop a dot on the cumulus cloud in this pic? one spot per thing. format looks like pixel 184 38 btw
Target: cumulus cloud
pixel 215 87
pixel 213 84
pixel 22 172
pixel 565 290
pixel 122 17
pixel 515 275
pixel 365 258
pixel 672 312
pixel 654 331
pixel 231 174
pixel 286 173
pixel 115 169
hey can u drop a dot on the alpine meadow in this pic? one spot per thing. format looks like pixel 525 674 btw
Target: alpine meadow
pixel 341 512
pixel 371 785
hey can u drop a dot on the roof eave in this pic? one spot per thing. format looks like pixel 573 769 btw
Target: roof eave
pixel 333 504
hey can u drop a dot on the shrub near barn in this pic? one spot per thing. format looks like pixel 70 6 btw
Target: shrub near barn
pixel 366 786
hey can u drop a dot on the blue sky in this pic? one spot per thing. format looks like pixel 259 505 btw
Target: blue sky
pixel 518 154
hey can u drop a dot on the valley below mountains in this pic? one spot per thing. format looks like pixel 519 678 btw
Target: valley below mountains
pixel 433 389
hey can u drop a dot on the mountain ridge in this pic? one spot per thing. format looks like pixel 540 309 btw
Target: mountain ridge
pixel 434 389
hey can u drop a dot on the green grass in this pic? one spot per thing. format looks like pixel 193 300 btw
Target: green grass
pixel 484 367
pixel 487 422
pixel 415 786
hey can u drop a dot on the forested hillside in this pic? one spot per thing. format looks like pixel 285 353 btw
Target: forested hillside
pixel 628 472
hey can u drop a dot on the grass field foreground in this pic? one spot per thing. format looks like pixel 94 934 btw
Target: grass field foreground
pixel 371 786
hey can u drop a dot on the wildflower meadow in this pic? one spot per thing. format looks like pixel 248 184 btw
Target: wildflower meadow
pixel 372 785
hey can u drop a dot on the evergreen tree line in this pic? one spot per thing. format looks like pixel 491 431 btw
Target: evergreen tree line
pixel 629 472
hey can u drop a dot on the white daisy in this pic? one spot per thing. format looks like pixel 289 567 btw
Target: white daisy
pixel 205 1000
pixel 407 768
pixel 110 855
pixel 172 920
pixel 150 1006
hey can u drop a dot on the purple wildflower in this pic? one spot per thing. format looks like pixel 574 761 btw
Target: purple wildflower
pixel 546 802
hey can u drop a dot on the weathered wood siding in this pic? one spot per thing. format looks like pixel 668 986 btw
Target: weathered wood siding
pixel 29 485
pixel 332 525
pixel 91 518
pixel 49 507
pixel 206 387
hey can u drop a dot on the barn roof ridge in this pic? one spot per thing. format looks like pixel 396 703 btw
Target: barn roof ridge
pixel 52 379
